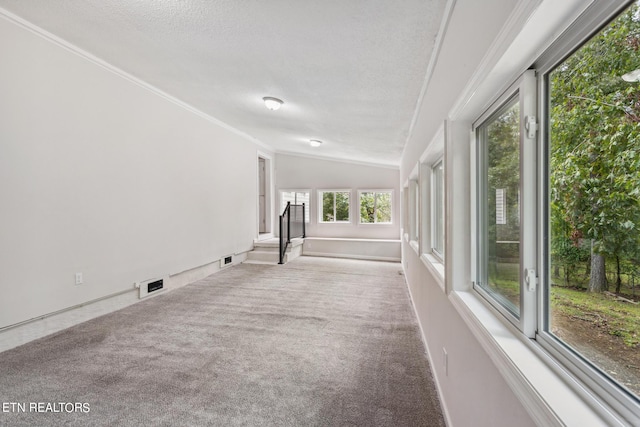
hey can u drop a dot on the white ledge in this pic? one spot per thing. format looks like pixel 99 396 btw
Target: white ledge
pixel 550 399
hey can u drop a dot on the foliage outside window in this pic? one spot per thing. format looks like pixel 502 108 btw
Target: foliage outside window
pixel 295 198
pixel 594 201
pixel 335 206
pixel 499 219
pixel 375 207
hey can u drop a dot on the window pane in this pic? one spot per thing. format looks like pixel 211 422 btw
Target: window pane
pixel 367 208
pixel 438 208
pixel 594 206
pixel 287 196
pixel 328 207
pixel 501 146
pixel 383 207
pixel 303 198
pixel 342 206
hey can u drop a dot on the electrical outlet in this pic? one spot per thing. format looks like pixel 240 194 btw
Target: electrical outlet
pixel 79 280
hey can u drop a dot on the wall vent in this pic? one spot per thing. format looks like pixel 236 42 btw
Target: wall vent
pixel 226 261
pixel 152 287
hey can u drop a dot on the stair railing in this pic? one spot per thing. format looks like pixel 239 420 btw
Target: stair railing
pixel 292 225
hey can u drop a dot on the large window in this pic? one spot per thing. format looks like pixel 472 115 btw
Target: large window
pixel 593 204
pixel 558 211
pixel 375 207
pixel 334 206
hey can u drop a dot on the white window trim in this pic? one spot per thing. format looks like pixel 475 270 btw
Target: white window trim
pixel 320 206
pixel 433 206
pixel 434 154
pixel 376 191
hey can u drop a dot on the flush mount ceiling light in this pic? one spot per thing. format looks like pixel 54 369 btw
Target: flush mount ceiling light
pixel 633 76
pixel 272 103
pixel 315 143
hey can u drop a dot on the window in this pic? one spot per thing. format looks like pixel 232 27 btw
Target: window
pixel 592 207
pixel 295 197
pixel 414 211
pixel 375 207
pixel 437 209
pixel 334 206
pixel 558 211
pixel 405 212
pixel 499 222
pixel 506 261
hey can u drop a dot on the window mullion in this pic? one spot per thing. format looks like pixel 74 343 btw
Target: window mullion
pixel 528 203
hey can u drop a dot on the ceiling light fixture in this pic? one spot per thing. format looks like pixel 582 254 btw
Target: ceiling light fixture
pixel 315 143
pixel 272 103
pixel 633 76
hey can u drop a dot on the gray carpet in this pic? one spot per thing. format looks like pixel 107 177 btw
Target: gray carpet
pixel 317 342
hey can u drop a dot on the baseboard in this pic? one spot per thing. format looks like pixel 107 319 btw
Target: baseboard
pixel 443 404
pixel 351 256
pixel 49 323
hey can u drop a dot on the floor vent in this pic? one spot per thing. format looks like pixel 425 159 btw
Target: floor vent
pixel 152 287
pixel 226 261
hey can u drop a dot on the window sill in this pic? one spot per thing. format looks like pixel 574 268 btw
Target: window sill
pixel 543 387
pixel 436 267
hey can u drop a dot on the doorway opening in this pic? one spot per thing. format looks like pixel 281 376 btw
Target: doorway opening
pixel 264 197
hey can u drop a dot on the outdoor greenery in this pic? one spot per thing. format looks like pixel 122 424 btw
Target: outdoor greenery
pixel 375 207
pixel 335 206
pixel 501 136
pixel 595 155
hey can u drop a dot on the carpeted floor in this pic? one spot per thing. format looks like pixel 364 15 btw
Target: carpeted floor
pixel 316 342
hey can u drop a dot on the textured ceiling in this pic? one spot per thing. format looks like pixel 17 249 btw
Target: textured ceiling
pixel 349 71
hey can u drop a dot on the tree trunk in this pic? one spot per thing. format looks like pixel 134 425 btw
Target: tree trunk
pixel 597 282
pixel 618 279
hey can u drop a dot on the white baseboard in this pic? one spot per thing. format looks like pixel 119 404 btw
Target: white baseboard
pixel 49 323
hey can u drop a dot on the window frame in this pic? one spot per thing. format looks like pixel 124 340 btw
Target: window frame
pixel 414 209
pixel 321 205
pixel 435 207
pixel 598 382
pixel 375 201
pixel 523 90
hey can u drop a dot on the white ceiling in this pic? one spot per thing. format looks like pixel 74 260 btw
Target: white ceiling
pixel 349 71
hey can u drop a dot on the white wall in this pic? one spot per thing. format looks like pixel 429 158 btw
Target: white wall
pixel 101 176
pixel 472 389
pixel 297 172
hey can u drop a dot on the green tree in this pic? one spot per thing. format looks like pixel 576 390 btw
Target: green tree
pixel 595 143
